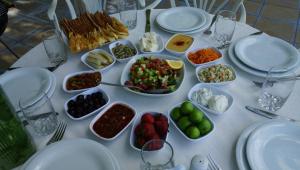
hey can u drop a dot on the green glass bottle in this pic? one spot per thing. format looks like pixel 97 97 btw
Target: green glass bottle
pixel 16 145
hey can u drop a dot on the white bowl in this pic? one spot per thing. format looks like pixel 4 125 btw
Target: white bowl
pixel 136 122
pixel 201 138
pixel 215 91
pixel 219 83
pixel 84 56
pixel 126 70
pixel 74 74
pixel 85 93
pixel 207 63
pixel 175 52
pixel 161 46
pixel 102 112
pixel 124 42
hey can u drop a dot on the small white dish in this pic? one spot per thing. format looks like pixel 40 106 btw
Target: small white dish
pixel 99 115
pixel 215 91
pixel 84 60
pixel 64 85
pixel 85 93
pixel 199 68
pixel 176 52
pixel 201 138
pixel 207 63
pixel 161 46
pixel 138 121
pixel 124 42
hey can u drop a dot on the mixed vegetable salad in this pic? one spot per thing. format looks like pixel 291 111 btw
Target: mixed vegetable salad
pixel 151 73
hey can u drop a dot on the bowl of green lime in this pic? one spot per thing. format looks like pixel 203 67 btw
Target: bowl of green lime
pixel 192 122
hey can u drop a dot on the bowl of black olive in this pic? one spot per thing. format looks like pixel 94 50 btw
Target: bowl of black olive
pixel 86 104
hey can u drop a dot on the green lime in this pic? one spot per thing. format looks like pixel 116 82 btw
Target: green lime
pixel 183 123
pixel 186 107
pixel 193 132
pixel 204 126
pixel 196 116
pixel 175 114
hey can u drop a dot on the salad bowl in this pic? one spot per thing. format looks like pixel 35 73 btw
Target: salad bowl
pixel 125 77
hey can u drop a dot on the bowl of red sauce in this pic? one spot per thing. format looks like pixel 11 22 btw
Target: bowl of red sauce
pixel 113 120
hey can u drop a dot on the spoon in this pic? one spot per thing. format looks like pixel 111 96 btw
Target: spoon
pixel 152 91
pixel 208 30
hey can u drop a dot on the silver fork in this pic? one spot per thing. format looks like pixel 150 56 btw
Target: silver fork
pixel 212 164
pixel 59 133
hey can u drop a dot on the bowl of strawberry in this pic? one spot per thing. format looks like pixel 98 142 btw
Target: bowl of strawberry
pixel 150 125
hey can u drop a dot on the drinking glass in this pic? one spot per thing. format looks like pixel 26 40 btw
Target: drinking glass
pixel 225 26
pixel 16 145
pixel 274 93
pixel 39 112
pixel 55 49
pixel 128 13
pixel 157 154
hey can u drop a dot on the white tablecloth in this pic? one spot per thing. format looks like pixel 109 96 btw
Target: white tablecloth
pixel 221 143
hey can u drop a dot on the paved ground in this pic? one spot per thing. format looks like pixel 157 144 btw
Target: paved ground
pixel 28 23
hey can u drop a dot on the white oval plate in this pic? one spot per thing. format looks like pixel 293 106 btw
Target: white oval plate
pixel 75 154
pixel 161 46
pixel 126 70
pixel 124 42
pixel 64 85
pixel 232 56
pixel 275 145
pixel 215 91
pixel 175 19
pixel 102 112
pixel 136 122
pixel 264 52
pixel 17 83
pixel 85 93
pixel 84 56
pixel 209 65
pixel 175 52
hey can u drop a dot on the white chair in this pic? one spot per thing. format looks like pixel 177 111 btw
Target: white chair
pixel 207 5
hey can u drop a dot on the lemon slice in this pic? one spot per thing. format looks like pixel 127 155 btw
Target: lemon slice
pixel 175 64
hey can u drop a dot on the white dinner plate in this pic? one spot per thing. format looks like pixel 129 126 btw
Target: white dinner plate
pixel 202 28
pixel 181 19
pixel 264 52
pixel 250 70
pixel 274 146
pixel 240 151
pixel 17 83
pixel 75 154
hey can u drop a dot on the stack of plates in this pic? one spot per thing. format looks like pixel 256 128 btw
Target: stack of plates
pixel 271 145
pixel 17 83
pixel 257 54
pixel 75 154
pixel 185 20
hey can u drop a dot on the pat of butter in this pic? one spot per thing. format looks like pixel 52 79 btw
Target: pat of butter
pixel 149 42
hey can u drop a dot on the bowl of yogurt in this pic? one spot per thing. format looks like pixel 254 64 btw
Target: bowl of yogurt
pixel 151 43
pixel 210 98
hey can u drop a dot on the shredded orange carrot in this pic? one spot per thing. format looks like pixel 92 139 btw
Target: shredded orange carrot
pixel 203 56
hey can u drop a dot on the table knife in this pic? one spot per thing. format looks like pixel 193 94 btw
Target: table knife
pixel 148 24
pixel 267 114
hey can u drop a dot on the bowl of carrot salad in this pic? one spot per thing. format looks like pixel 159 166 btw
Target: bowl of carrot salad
pixel 204 56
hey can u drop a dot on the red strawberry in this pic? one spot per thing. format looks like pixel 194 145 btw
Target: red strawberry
pixel 161 128
pixel 139 142
pixel 138 131
pixel 148 130
pixel 156 144
pixel 147 118
pixel 161 117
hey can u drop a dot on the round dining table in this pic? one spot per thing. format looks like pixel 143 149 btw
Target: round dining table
pixel 221 144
